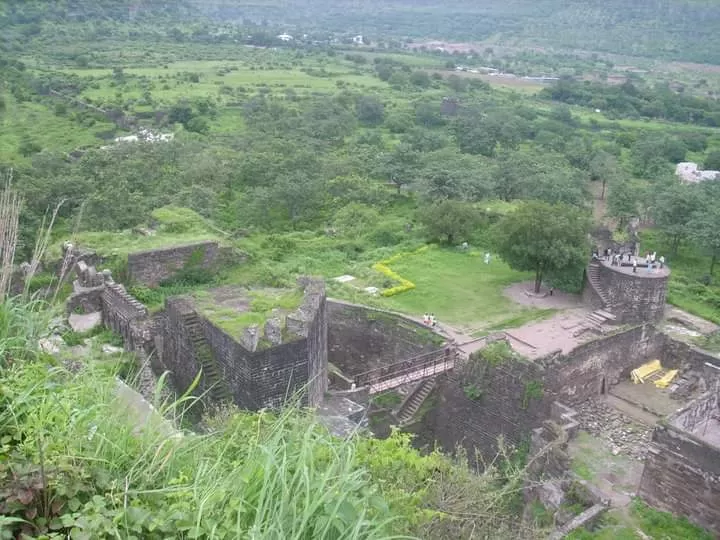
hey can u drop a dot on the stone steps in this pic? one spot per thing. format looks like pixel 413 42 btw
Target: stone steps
pixel 413 403
pixel 218 391
pixel 593 273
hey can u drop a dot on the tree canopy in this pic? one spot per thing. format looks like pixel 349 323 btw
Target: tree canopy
pixel 542 238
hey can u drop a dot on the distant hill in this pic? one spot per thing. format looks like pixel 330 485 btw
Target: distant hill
pixel 686 30
pixel 19 12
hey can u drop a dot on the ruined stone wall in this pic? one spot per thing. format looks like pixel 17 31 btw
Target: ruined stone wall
pixel 503 410
pixel 266 377
pixel 317 339
pixel 635 298
pixel 361 338
pixel 85 300
pixel 154 266
pixel 125 315
pixel 579 375
pixel 702 367
pixel 178 350
pixel 682 471
pixel 499 410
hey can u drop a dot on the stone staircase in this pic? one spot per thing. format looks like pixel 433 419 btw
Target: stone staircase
pixel 597 321
pixel 414 401
pixel 593 273
pixel 217 389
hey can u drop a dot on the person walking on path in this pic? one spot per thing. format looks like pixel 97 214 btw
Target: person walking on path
pixel 662 261
pixel 433 322
pixel 426 319
pixel 634 266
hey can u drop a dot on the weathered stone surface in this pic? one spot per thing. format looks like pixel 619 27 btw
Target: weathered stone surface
pixel 51 344
pixel 250 337
pixel 154 266
pixel 682 470
pixel 273 331
pixel 361 338
pixel 256 378
pixel 85 322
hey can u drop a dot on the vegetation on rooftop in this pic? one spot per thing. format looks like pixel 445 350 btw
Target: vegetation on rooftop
pixel 263 304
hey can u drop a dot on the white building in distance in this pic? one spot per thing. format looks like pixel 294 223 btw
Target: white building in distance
pixel 690 173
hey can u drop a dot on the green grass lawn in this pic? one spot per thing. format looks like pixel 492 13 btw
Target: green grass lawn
pixel 458 287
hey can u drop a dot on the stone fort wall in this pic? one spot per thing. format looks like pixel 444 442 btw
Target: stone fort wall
pixel 362 338
pixel 269 377
pixel 154 266
pixel 635 298
pixel 506 407
pixel 682 469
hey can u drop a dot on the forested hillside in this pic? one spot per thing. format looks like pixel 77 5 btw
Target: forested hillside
pixel 673 29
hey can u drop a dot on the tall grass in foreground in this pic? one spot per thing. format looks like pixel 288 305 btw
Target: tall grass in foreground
pixel 77 463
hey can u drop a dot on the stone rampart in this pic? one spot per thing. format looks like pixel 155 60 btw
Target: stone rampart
pixel 362 338
pixel 635 298
pixel 125 315
pixel 256 377
pixel 477 405
pixel 591 368
pixel 682 469
pixel 155 266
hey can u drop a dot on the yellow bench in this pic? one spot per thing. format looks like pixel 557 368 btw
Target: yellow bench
pixel 639 375
pixel 665 380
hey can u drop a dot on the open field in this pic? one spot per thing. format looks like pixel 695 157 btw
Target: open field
pixel 458 287
pixel 35 122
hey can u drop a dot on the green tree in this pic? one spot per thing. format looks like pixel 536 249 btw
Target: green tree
pixel 674 209
pixel 421 79
pixel 712 161
pixel 704 226
pixel 542 238
pixel 624 199
pixel 450 220
pixel 370 110
pixel 604 167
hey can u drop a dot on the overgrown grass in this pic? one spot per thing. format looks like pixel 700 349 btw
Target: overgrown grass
pixel 36 123
pixel 691 287
pixel 641 522
pixel 173 227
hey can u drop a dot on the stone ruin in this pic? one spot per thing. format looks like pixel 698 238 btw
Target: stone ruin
pixel 180 340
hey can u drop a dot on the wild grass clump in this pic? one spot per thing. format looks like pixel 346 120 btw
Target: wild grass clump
pixel 80 464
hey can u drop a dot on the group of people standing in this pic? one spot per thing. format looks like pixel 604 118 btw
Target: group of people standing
pixel 617 258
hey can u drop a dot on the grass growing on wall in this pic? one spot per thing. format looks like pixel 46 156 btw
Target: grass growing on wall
pixel 263 305
pixel 173 227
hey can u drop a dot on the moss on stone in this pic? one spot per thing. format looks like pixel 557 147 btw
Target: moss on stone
pixel 261 305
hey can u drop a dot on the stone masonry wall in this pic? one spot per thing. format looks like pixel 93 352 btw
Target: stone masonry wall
pixel 502 409
pixel 361 338
pixel 125 315
pixel 476 424
pixel 579 375
pixel 178 352
pixel 635 298
pixel 682 471
pixel 262 378
pixel 154 266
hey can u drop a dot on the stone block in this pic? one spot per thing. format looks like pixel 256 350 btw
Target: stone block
pixel 273 331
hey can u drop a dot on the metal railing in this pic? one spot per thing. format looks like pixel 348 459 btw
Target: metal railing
pixel 416 367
